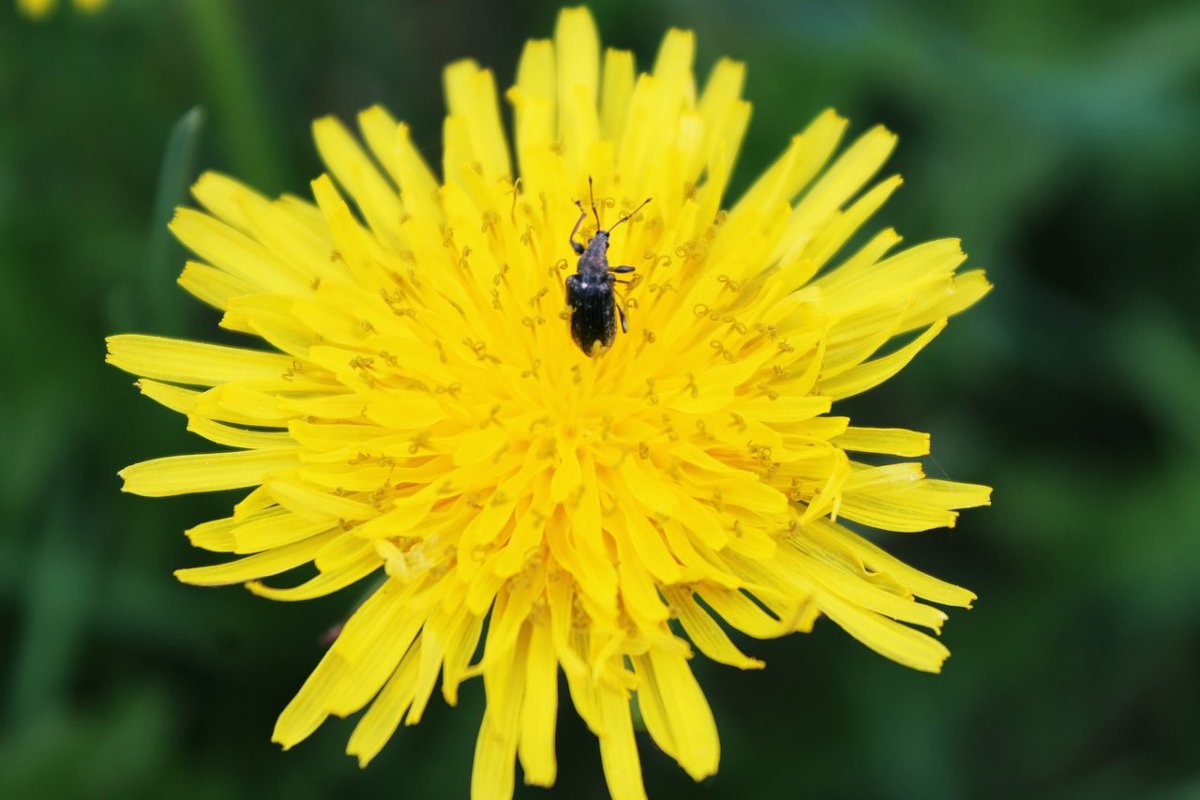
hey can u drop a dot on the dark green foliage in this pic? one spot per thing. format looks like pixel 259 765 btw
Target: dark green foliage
pixel 1058 139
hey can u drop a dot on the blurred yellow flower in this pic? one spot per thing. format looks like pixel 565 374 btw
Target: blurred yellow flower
pixel 41 9
pixel 424 412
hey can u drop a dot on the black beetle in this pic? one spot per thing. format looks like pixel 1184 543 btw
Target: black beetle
pixel 590 290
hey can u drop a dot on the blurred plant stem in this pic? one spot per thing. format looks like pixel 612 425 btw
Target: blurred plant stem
pixel 60 577
pixel 238 100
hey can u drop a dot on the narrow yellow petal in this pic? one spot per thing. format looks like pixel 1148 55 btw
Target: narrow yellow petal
pixel 383 717
pixel 536 92
pixel 849 173
pixel 461 642
pixel 379 131
pixel 878 560
pixel 853 586
pixel 471 97
pixel 639 594
pixel 418 185
pixel 673 65
pixel 378 202
pixel 872 373
pixel 806 154
pixel 360 661
pixel 225 247
pixel 272 562
pixel 205 472
pixel 618 90
pixel 215 535
pixel 844 224
pixel 236 402
pixel 221 195
pixel 239 437
pixel 683 723
pixel 718 106
pixel 344 551
pixel 744 614
pixel 494 768
pixel 214 286
pixel 370 654
pixel 493 772
pixel 312 503
pixel 862 283
pixel 887 637
pixel 705 633
pixel 323 584
pixel 894 513
pixel 540 710
pixel 618 748
pixel 194 363
pixel 964 290
pixel 175 398
pixel 951 494
pixel 893 441
pixel 274 527
pixel 577 51
pixel 305 713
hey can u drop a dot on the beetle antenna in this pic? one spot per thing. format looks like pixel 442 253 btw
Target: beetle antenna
pixel 629 216
pixel 592 195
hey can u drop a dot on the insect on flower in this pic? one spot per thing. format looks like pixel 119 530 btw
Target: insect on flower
pixel 529 515
pixel 590 290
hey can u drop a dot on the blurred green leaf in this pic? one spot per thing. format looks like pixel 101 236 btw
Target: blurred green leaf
pixel 165 303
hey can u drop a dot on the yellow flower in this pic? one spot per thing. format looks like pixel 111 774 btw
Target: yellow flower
pixel 42 9
pixel 424 412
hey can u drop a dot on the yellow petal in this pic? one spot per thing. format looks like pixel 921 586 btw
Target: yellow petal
pixel 272 562
pixel 214 286
pixel 872 373
pixel 618 90
pixel 677 713
pixel 540 710
pixel 618 748
pixel 376 200
pixel 705 633
pixel 239 437
pixel 323 584
pixel 194 363
pixel 205 472
pixel 894 441
pixel 236 253
pixel 471 97
pixel 383 717
pixel 890 639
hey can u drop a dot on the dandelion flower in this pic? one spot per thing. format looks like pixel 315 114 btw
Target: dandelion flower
pixel 422 418
pixel 42 9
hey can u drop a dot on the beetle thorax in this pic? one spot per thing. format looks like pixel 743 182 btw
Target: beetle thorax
pixel 593 264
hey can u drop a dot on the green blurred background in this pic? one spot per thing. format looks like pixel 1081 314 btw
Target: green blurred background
pixel 1059 140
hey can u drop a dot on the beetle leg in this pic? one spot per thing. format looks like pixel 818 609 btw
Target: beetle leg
pixel 622 270
pixel 576 246
pixel 618 301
